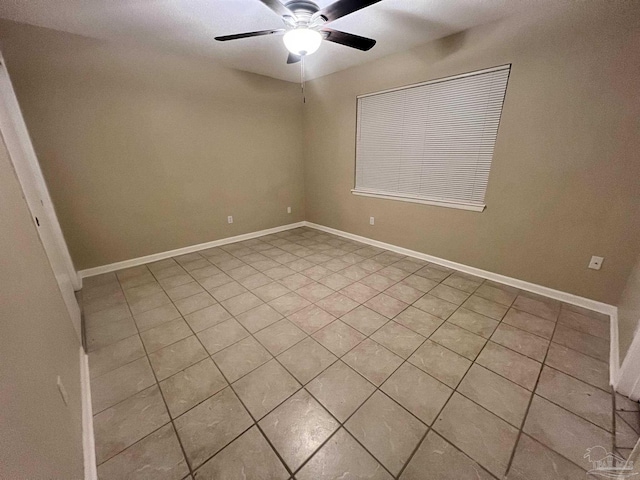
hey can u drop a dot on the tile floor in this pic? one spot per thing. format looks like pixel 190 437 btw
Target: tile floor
pixel 304 355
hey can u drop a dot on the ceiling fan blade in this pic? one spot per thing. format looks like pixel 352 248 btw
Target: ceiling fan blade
pixel 224 38
pixel 293 58
pixel 277 7
pixel 348 39
pixel 344 7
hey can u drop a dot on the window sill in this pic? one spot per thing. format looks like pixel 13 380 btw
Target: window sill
pixel 474 207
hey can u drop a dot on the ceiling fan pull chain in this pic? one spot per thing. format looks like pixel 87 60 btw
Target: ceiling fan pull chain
pixel 304 98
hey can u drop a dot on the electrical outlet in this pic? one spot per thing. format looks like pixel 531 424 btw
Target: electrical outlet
pixel 372 221
pixel 229 219
pixel 596 262
pixel 288 209
pixel 63 391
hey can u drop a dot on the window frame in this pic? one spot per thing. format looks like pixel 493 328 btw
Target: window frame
pixel 470 206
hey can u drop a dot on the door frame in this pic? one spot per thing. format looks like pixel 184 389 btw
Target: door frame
pixel 628 381
pixel 23 157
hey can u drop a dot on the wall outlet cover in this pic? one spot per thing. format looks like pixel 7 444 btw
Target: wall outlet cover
pixel 596 262
pixel 229 219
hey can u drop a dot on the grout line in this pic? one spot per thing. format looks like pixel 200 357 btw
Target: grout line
pixel 526 414
pixel 341 424
pixel 157 385
pixel 310 335
pixel 166 405
pixel 404 360
pixel 635 429
pixel 521 430
pixel 339 358
pixel 455 447
pixel 557 453
pixel 575 378
pixel 376 389
pixel 569 326
pixel 229 385
pixel 473 362
pixel 418 445
pixel 573 413
pixel 255 422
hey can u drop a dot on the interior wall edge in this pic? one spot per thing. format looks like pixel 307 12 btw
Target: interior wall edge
pixel 88 440
pixel 134 262
pixel 628 381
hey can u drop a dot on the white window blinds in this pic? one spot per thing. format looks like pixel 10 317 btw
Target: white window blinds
pixel 432 142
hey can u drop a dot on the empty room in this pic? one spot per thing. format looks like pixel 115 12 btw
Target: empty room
pixel 319 240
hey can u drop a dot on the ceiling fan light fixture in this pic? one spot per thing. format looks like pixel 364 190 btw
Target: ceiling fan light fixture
pixel 302 41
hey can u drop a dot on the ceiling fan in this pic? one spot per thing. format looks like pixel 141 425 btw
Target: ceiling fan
pixel 305 26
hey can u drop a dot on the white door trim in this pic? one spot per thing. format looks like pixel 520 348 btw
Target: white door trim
pixel 88 439
pixel 614 349
pixel 23 157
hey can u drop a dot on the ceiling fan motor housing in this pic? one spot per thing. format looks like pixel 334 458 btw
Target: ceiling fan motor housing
pixel 304 11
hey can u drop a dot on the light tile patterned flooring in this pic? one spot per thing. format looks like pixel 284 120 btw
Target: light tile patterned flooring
pixel 304 355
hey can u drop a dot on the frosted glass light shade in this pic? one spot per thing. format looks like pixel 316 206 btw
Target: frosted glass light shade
pixel 302 41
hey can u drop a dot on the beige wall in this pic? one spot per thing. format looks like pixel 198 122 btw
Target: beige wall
pixel 629 310
pixel 564 182
pixel 41 437
pixel 145 152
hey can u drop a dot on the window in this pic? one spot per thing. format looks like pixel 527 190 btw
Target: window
pixel 431 142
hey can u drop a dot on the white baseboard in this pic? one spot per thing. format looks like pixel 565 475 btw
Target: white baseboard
pixel 614 350
pixel 616 373
pixel 134 262
pixel 88 441
pixel 513 282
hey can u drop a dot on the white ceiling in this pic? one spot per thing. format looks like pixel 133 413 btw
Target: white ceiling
pixel 188 26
